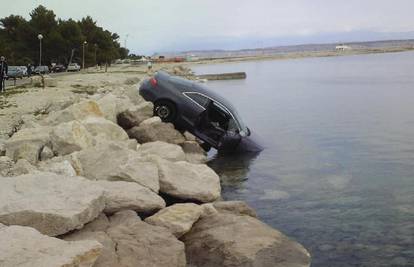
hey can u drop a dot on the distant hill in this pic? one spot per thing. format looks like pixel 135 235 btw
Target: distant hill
pixel 217 53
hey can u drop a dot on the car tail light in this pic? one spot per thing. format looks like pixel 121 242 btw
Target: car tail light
pixel 153 82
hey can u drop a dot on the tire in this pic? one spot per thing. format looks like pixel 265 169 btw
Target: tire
pixel 166 110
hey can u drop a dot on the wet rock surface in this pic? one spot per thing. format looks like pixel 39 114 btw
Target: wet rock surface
pixel 235 240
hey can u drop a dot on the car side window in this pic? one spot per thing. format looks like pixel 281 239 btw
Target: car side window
pixel 199 99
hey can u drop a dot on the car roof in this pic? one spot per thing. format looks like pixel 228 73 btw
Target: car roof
pixel 191 86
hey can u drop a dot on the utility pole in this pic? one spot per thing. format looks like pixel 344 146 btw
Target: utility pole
pixel 125 42
pixel 83 54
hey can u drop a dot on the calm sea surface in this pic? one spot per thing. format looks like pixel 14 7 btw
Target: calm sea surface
pixel 337 173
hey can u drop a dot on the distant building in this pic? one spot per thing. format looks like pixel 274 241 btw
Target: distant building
pixel 343 47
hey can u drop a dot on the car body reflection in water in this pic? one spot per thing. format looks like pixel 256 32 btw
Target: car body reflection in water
pixel 233 168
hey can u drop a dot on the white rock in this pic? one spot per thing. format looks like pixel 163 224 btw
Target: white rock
pixel 178 218
pixel 152 120
pixel 188 181
pixel 104 128
pixel 165 132
pixel 129 196
pixel 26 247
pixel 63 167
pixel 112 105
pixel 27 144
pixel 70 137
pixel 162 149
pixel 111 162
pixel 52 204
pixel 78 111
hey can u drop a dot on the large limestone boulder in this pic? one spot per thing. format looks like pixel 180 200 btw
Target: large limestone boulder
pixel 57 165
pixel 111 162
pixel 178 218
pixel 5 165
pixel 235 207
pixel 162 149
pixel 134 116
pixel 156 132
pixel 194 153
pixel 27 144
pixel 188 181
pixel 129 196
pixel 129 242
pixel 105 129
pixel 52 204
pixel 21 167
pixel 112 105
pixel 26 247
pixel 78 111
pixel 70 137
pixel 236 240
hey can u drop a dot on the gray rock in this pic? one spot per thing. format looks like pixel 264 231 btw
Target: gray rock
pixel 26 247
pixel 226 239
pixel 21 167
pixel 27 144
pixel 235 207
pixel 70 137
pixel 178 218
pixel 5 165
pixel 133 117
pixel 46 153
pixel 129 242
pixel 164 150
pixel 188 181
pixel 2 148
pixel 50 203
pixel 115 163
pixel 129 196
pixel 141 244
pixel 194 153
pixel 156 132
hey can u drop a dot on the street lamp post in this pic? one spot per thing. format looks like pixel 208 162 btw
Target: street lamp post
pixel 96 48
pixel 40 37
pixel 83 54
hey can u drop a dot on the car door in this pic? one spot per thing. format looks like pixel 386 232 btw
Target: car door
pixel 195 106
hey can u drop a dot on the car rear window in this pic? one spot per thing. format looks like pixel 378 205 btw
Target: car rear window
pixel 200 99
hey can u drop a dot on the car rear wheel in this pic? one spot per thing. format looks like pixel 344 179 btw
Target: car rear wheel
pixel 166 110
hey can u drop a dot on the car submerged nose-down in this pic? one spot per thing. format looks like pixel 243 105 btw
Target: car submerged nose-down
pixel 195 108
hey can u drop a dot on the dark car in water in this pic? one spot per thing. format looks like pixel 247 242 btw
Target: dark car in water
pixel 193 107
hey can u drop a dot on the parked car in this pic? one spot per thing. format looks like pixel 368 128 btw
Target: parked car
pixel 24 70
pixel 14 72
pixel 41 70
pixel 73 67
pixel 58 68
pixel 193 107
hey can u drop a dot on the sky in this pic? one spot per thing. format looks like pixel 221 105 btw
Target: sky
pixel 150 26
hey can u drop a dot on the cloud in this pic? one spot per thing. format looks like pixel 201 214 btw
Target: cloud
pixel 155 25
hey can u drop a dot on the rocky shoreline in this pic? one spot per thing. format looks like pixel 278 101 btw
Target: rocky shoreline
pixel 89 178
